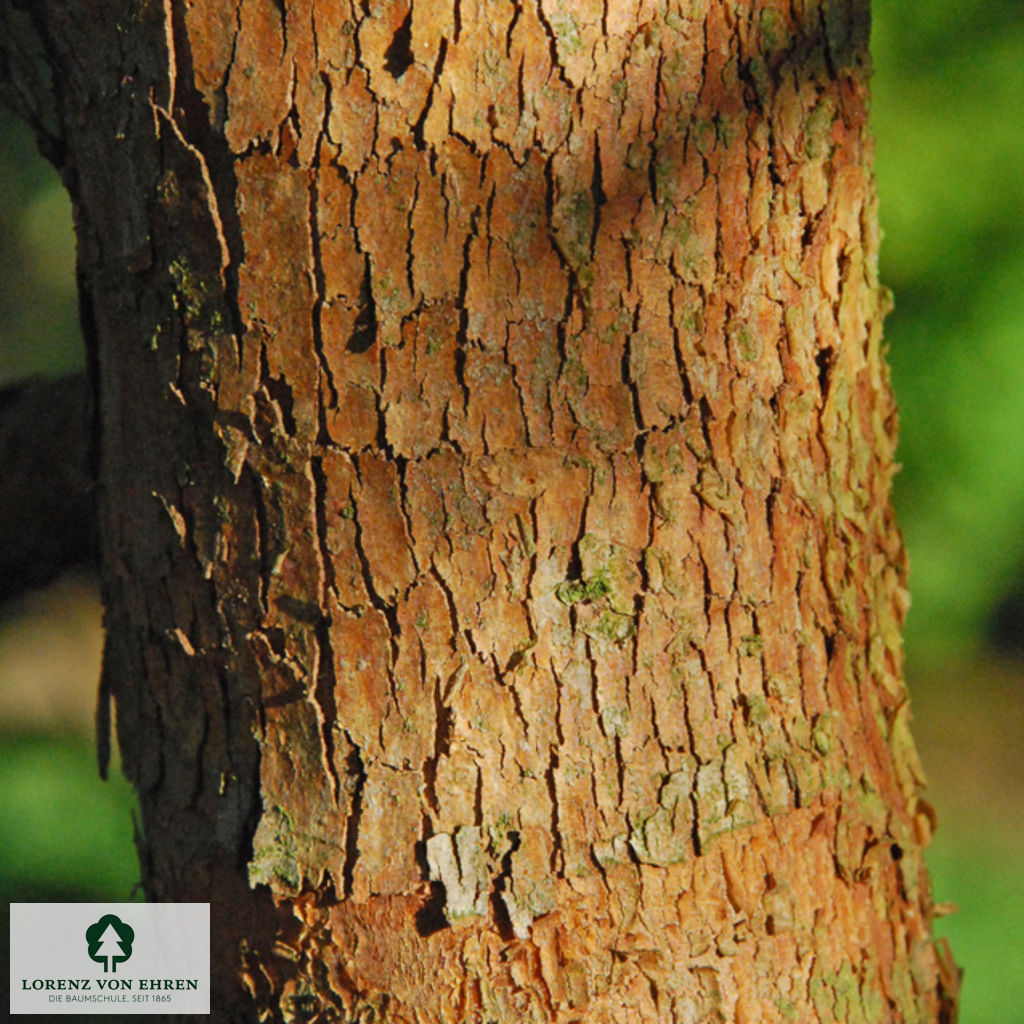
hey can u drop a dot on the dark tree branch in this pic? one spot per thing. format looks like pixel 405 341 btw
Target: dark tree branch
pixel 26 79
pixel 47 501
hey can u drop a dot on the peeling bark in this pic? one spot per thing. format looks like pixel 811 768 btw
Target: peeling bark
pixel 504 599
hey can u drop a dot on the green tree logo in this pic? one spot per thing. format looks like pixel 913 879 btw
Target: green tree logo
pixel 110 941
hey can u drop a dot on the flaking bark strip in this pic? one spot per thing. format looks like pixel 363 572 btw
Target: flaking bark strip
pixel 458 863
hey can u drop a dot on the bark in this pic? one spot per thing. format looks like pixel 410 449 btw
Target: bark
pixel 503 594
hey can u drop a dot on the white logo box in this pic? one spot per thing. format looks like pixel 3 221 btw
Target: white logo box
pixel 110 958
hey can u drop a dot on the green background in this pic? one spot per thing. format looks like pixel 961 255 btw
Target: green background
pixel 948 115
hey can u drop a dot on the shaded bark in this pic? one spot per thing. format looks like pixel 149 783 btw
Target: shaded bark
pixel 503 596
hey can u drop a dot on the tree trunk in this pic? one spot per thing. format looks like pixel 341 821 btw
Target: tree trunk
pixel 503 595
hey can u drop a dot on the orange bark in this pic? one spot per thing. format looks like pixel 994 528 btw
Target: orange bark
pixel 504 597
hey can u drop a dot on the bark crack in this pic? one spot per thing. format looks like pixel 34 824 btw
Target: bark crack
pixel 326 677
pixel 326 377
pixel 417 129
pixel 376 599
pixel 552 35
pixel 357 772
pixel 557 853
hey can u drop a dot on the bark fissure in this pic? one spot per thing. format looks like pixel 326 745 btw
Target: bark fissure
pixel 357 773
pixel 326 678
pixel 319 282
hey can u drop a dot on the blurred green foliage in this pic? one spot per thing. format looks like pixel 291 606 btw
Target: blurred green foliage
pixel 66 834
pixel 39 331
pixel 984 933
pixel 948 117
